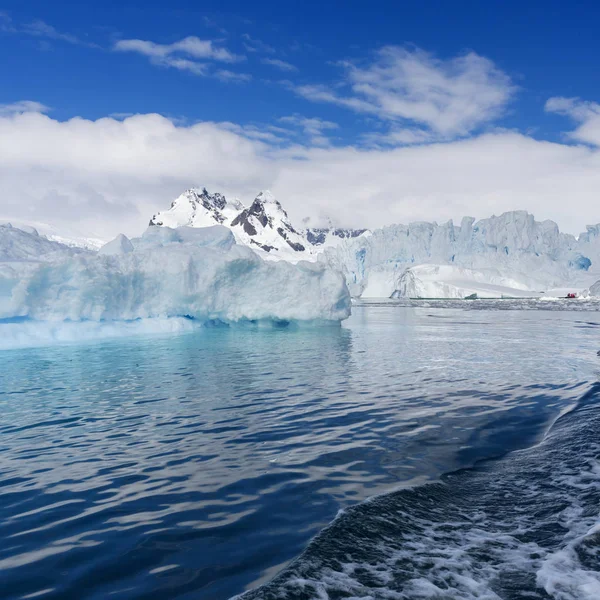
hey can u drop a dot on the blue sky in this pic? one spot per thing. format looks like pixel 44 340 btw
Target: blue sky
pixel 547 48
pixel 317 82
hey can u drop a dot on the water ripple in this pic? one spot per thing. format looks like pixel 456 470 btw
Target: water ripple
pixel 198 465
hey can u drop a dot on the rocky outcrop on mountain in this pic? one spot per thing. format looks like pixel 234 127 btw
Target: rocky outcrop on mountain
pixel 263 226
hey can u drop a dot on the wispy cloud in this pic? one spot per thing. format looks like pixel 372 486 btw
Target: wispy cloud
pixel 448 97
pixel 399 137
pixel 226 75
pixel 255 45
pixel 587 114
pixel 254 132
pixel 6 23
pixel 40 29
pixel 191 46
pixel 313 128
pixel 282 65
pixel 22 106
pixel 185 55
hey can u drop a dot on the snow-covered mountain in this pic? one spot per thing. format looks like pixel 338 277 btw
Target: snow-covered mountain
pixel 264 226
pixel 198 208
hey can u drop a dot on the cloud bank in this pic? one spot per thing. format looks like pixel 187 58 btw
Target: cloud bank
pixel 109 176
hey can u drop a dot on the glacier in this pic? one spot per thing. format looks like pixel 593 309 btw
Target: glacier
pixel 198 274
pixel 510 255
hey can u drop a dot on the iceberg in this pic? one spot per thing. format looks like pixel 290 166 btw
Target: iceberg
pixel 120 245
pixel 197 274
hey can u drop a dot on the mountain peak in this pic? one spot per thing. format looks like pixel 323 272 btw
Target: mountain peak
pixel 264 225
pixel 266 196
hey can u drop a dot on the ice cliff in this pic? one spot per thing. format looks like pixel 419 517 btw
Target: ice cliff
pixel 200 274
pixel 511 251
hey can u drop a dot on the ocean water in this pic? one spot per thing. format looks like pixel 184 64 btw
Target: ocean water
pixel 418 451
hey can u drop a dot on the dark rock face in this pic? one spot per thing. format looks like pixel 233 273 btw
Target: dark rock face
pixel 257 212
pixel 264 221
pixel 294 245
pixel 242 219
pixel 264 247
pixel 318 235
pixel 213 203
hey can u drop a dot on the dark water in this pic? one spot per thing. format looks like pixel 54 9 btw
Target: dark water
pixel 201 465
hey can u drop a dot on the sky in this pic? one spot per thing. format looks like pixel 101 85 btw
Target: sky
pixel 359 114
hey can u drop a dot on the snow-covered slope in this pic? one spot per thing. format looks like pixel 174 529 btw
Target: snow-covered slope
pixel 263 226
pixel 18 245
pixel 266 225
pixel 69 236
pixel 198 273
pixel 450 281
pixel 199 208
pixel 536 255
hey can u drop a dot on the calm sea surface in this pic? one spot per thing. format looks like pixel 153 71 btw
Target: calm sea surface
pixel 202 465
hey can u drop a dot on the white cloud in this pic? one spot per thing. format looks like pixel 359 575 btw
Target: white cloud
pixel 185 55
pixel 111 175
pixel 231 76
pixel 399 137
pixel 192 46
pixel 585 113
pixel 22 106
pixel 449 97
pixel 313 128
pixel 282 65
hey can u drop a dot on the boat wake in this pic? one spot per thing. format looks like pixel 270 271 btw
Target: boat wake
pixel 523 526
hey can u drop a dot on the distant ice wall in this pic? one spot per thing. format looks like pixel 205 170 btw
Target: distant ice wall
pixel 514 245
